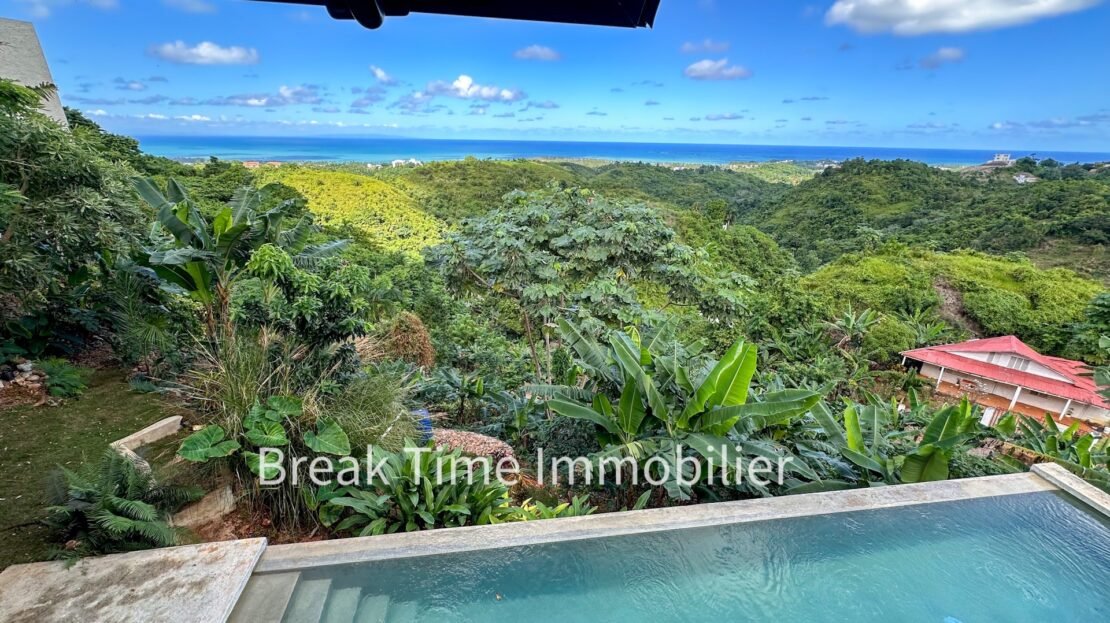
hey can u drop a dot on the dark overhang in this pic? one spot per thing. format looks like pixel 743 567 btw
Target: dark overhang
pixel 623 13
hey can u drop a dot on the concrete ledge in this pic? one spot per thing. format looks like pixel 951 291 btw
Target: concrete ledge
pixel 188 584
pixel 209 508
pixel 156 431
pixel 1076 486
pixel 406 545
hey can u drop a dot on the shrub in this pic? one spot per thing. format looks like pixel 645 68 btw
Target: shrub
pixel 886 339
pixel 408 495
pixel 63 379
pixel 112 507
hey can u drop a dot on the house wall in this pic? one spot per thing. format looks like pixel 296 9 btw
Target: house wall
pixel 1006 360
pixel 998 395
pixel 23 62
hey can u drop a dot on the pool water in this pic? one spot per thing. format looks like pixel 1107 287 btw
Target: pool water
pixel 1027 557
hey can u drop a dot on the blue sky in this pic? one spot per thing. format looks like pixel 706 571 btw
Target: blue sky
pixel 1031 74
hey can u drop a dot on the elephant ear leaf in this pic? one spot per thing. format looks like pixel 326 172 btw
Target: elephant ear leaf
pixel 268 471
pixel 267 434
pixel 285 405
pixel 207 443
pixel 329 438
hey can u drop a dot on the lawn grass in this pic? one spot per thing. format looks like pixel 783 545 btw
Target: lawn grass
pixel 35 440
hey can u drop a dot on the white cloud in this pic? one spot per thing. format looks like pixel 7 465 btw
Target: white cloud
pixel 729 116
pixel 382 77
pixel 706 46
pixel 152 116
pixel 537 53
pixel 286 96
pixel 193 118
pixel 99 112
pixel 205 53
pixel 942 57
pixel 544 105
pixel 42 9
pixel 709 69
pixel 191 6
pixel 123 84
pixel 464 87
pixel 917 17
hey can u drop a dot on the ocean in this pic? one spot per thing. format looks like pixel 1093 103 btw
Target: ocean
pixel 379 150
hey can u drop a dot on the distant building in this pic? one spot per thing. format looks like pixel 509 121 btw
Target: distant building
pixel 252 164
pixel 1004 375
pixel 273 163
pixel 1001 160
pixel 23 62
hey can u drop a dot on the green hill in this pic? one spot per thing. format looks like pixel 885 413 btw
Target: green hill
pixel 455 190
pixel 985 294
pixel 856 206
pixel 376 211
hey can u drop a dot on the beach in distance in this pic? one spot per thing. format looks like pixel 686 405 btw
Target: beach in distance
pixel 379 150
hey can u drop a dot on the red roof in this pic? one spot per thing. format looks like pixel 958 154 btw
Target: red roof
pixel 1079 387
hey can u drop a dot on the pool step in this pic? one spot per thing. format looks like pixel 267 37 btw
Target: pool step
pixel 342 605
pixel 308 601
pixel 404 612
pixel 373 609
pixel 265 598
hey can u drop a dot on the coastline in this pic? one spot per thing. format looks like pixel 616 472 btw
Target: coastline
pixel 384 150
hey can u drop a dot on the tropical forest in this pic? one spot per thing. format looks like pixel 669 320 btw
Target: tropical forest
pixel 507 308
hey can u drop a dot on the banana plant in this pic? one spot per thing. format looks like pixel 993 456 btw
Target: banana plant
pixel 663 396
pixel 869 432
pixel 204 259
pixel 1068 445
pixel 950 428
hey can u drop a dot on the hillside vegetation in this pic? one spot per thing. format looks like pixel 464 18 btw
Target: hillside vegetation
pixel 990 294
pixel 375 211
pixel 856 206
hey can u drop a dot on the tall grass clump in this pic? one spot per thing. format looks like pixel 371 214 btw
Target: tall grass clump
pixel 372 410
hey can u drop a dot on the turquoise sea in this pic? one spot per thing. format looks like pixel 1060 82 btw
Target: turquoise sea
pixel 378 150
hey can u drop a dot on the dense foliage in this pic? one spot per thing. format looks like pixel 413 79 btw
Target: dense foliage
pixel 857 205
pixel 986 295
pixel 590 309
pixel 374 211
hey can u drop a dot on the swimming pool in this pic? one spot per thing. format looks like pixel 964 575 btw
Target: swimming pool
pixel 1036 555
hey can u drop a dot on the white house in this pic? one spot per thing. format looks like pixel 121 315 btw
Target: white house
pixel 1003 375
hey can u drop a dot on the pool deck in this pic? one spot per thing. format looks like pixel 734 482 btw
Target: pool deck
pixel 187 584
pixel 205 582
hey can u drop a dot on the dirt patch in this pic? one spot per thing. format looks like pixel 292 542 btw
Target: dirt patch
pixel 98 356
pixel 12 396
pixel 952 307
pixel 245 523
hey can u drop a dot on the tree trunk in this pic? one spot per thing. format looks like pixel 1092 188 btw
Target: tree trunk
pixel 532 344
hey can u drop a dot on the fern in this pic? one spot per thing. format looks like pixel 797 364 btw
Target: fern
pixel 112 507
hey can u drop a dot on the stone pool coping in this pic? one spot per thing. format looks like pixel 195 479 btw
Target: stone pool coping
pixel 1078 488
pixel 186 584
pixel 299 556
